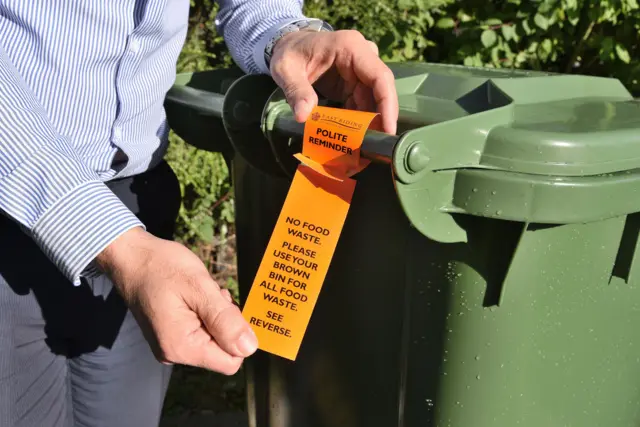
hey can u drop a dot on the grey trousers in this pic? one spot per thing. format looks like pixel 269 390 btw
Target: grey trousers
pixel 74 356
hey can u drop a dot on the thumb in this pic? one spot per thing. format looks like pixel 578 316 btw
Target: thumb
pixel 297 89
pixel 223 320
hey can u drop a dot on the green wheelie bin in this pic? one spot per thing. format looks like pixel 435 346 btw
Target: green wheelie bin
pixel 488 273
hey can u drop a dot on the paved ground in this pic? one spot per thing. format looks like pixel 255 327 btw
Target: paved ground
pixel 231 419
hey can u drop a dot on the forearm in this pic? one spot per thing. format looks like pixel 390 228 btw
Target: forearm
pixel 47 188
pixel 246 25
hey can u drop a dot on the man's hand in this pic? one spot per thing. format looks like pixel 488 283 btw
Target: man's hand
pixel 343 66
pixel 185 316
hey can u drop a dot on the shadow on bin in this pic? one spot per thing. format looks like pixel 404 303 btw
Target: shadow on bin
pixel 486 274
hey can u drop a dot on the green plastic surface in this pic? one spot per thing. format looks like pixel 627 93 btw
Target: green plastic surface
pixel 486 277
pixel 554 138
pixel 201 128
pixel 522 325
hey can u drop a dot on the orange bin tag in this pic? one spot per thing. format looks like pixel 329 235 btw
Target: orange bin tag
pixel 295 264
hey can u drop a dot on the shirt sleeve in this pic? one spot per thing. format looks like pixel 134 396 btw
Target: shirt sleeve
pixel 47 188
pixel 247 26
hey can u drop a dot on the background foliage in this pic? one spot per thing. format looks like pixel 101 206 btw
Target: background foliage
pixel 598 37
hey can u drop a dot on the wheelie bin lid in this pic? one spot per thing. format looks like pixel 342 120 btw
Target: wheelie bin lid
pixel 516 145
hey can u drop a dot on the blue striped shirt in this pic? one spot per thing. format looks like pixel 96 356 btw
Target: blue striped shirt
pixel 81 102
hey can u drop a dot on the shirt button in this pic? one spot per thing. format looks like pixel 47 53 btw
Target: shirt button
pixel 134 45
pixel 117 133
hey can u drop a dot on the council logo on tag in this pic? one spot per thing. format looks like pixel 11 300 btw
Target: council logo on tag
pixel 315 116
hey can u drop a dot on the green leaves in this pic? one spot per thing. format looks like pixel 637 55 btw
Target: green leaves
pixel 493 22
pixel 623 53
pixel 206 209
pixel 509 33
pixel 488 38
pixel 527 29
pixel 541 21
pixel 445 23
pixel 554 35
pixel 399 27
pixel 577 36
pixel 205 229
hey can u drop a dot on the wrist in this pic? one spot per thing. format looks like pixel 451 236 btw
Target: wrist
pixel 120 253
pixel 286 41
pixel 296 27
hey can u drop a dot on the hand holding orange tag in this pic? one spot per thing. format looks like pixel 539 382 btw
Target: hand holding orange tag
pixel 295 264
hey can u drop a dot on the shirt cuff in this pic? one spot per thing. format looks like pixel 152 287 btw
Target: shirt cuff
pixel 66 209
pixel 258 51
pixel 79 226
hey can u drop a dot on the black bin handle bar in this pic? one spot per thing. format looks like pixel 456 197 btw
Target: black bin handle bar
pixel 376 146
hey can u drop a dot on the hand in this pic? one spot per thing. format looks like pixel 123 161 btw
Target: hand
pixel 185 316
pixel 343 66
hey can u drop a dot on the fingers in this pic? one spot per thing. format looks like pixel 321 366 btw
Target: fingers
pixel 303 58
pixel 208 332
pixel 375 74
pixel 183 340
pixel 373 47
pixel 207 354
pixel 363 98
pixel 289 73
pixel 370 70
pixel 227 295
pixel 223 320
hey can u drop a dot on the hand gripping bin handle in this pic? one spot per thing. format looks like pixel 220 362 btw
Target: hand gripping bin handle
pixel 241 108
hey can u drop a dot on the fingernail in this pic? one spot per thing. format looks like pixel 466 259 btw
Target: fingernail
pixel 247 343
